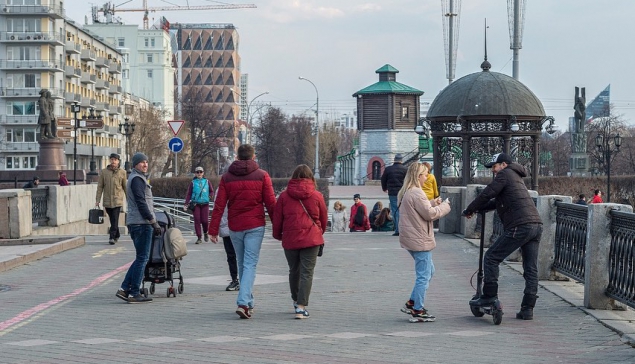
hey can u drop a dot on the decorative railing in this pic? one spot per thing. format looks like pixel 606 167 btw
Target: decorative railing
pixel 39 198
pixel 570 239
pixel 622 258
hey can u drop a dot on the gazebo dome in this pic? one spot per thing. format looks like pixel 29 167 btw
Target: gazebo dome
pixel 485 94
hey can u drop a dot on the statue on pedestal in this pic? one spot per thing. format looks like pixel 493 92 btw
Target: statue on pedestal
pixel 46 119
pixel 580 110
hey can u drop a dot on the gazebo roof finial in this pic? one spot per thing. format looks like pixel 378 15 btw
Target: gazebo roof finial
pixel 485 66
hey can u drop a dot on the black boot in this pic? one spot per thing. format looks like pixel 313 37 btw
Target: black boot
pixel 489 296
pixel 527 307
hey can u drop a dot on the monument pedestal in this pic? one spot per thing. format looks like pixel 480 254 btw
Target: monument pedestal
pixel 51 157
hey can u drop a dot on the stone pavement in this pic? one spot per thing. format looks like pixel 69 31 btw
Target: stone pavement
pixel 63 309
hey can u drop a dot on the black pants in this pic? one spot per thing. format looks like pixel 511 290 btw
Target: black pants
pixel 231 257
pixel 113 215
pixel 301 266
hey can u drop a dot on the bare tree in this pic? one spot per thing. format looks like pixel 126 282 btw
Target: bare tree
pixel 273 142
pixel 608 127
pixel 151 137
pixel 555 150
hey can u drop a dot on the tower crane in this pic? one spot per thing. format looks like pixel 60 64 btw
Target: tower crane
pixel 108 9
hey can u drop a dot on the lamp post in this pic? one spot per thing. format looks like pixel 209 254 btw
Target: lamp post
pixel 424 137
pixel 127 129
pixel 93 169
pixel 75 108
pixel 602 142
pixel 249 114
pixel 316 173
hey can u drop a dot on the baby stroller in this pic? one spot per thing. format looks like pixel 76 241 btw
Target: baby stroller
pixel 160 268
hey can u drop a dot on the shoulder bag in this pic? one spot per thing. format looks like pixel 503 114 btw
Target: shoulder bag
pixel 321 251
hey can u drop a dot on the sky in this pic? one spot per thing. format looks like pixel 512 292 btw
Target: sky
pixel 338 45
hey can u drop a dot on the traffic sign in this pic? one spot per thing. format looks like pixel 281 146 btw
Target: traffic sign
pixel 91 123
pixel 175 144
pixel 176 126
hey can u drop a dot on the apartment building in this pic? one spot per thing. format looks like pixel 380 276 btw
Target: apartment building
pixel 40 48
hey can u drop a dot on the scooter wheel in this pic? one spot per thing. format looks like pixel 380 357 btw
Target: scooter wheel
pixel 497 317
pixel 476 312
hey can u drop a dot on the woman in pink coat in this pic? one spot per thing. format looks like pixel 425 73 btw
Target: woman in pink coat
pixel 416 234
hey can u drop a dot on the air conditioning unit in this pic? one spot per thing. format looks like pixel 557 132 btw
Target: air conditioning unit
pixel 5 10
pixel 38 37
pixel 13 37
pixel 28 37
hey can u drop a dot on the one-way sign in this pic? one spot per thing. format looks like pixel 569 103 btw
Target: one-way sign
pixel 175 144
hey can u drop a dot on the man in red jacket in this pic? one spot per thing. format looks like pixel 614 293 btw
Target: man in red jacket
pixel 246 187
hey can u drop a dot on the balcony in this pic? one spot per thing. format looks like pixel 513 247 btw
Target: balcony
pixel 86 102
pixel 88 55
pixel 73 48
pixel 30 64
pixel 115 110
pixel 72 72
pixel 115 89
pixel 53 11
pixel 52 38
pixel 102 62
pixel 18 119
pixel 115 68
pixel 7 92
pixel 70 97
pixel 88 78
pixel 102 106
pixel 102 84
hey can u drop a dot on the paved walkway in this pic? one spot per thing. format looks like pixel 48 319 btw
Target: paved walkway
pixel 63 309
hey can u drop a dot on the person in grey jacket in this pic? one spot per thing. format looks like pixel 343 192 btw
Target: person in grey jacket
pixel 142 224
pixel 522 229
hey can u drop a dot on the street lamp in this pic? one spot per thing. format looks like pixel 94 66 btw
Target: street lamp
pixel 316 173
pixel 127 129
pixel 604 147
pixel 249 115
pixel 91 116
pixel 424 137
pixel 75 108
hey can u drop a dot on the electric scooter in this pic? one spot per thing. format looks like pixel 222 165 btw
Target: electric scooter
pixel 495 309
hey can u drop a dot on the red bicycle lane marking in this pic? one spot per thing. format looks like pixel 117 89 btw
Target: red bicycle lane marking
pixel 24 315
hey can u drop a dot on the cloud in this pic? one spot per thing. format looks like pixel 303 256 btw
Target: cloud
pixel 369 7
pixel 288 11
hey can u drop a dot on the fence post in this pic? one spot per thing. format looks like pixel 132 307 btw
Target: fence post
pixel 596 260
pixel 451 223
pixel 546 252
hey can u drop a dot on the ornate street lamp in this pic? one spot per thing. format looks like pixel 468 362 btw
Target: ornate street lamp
pixel 127 129
pixel 316 173
pixel 92 116
pixel 608 151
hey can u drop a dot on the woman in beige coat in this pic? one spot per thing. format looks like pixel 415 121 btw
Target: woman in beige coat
pixel 416 234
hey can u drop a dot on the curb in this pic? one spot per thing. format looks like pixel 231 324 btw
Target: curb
pixel 49 250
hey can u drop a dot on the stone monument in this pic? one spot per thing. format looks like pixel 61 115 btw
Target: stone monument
pixel 51 156
pixel 579 160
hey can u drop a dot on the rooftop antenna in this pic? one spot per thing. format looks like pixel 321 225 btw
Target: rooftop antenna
pixel 516 20
pixel 450 11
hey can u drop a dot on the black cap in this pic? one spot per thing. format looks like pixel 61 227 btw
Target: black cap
pixel 114 155
pixel 398 157
pixel 499 158
pixel 357 196
pixel 36 178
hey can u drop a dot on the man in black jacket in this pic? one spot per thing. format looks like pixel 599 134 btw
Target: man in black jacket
pixel 522 229
pixel 391 182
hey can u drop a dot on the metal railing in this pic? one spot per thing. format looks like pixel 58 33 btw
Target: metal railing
pixel 39 205
pixel 622 258
pixel 570 239
pixel 174 206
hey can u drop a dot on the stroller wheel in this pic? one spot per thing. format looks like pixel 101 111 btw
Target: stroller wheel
pixel 181 287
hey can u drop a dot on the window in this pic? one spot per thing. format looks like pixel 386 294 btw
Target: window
pixel 21 108
pixel 146 41
pixel 152 42
pixel 149 73
pixel 126 57
pixel 20 135
pixel 149 58
pixel 121 42
pixel 404 112
pixel 25 162
pixel 125 75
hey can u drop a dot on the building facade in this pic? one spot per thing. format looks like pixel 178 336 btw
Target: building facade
pixel 41 49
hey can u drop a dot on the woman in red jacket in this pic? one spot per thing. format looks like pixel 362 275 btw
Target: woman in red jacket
pixel 299 221
pixel 359 221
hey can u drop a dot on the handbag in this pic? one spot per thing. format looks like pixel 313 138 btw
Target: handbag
pixel 321 250
pixel 96 216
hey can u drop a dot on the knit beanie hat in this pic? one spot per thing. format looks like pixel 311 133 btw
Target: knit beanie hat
pixel 138 158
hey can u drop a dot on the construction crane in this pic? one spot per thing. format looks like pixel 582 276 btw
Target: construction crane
pixel 108 9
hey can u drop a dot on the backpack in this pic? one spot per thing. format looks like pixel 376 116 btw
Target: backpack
pixel 174 244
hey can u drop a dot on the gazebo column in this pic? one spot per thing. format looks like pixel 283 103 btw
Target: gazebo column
pixel 507 144
pixel 466 168
pixel 535 166
pixel 437 159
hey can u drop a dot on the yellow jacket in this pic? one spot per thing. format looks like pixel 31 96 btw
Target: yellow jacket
pixel 430 187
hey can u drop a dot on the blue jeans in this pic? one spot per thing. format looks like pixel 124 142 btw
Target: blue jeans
pixel 142 239
pixel 394 211
pixel 526 237
pixel 247 245
pixel 424 270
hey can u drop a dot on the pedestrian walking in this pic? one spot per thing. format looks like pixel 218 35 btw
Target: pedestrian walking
pixel 142 225
pixel 597 197
pixel 384 221
pixel 62 181
pixel 34 183
pixel 299 222
pixel 112 185
pixel 430 186
pixel 358 221
pixel 246 190
pixel 340 218
pixel 417 235
pixel 581 199
pixel 391 182
pixel 199 193
pixel 522 229
pixel 373 215
pixel 223 232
